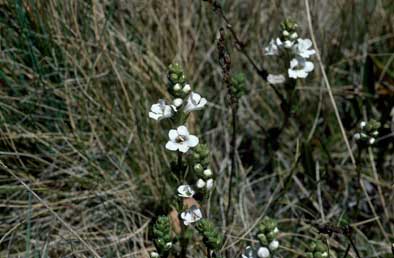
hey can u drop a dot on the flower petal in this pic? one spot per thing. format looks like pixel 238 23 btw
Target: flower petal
pixel 167 112
pixel 293 63
pixel 203 102
pixel 309 66
pixel 173 134
pixel 172 146
pixel 183 147
pixel 154 115
pixel 182 130
pixel 192 141
pixel 292 74
pixel 156 108
pixel 195 97
pixel 197 214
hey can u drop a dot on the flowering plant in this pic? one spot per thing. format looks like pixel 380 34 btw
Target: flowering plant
pixel 294 50
pixel 191 169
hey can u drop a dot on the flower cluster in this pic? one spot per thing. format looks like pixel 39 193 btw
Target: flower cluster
pixel 267 236
pixel 293 48
pixel 200 159
pixel 177 111
pixel 317 249
pixel 184 100
pixel 367 133
pixel 162 237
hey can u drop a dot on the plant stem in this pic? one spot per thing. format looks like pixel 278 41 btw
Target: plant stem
pixel 233 158
pixel 209 253
pixel 358 170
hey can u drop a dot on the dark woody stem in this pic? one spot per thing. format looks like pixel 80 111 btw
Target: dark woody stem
pixel 241 47
pixel 225 63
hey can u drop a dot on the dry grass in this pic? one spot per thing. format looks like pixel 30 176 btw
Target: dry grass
pixel 78 77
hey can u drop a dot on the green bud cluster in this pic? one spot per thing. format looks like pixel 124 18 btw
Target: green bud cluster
pixel 368 132
pixel 200 159
pixel 238 85
pixel 211 237
pixel 288 25
pixel 289 30
pixel 317 249
pixel 268 233
pixel 162 235
pixel 177 81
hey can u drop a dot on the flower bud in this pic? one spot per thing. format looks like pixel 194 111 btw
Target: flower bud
pixel 209 184
pixel 198 168
pixel 207 172
pixel 272 235
pixel 263 252
pixel 200 183
pixel 309 255
pixel 186 89
pixel 263 239
pixel 274 245
pixel 154 255
pixel 174 77
pixel 294 35
pixel 285 33
pixel 177 102
pixel 196 156
pixel 177 87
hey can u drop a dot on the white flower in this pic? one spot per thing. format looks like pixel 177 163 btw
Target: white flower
pixel 299 68
pixel 207 172
pixel 276 79
pixel 263 252
pixel 185 191
pixel 302 48
pixel 272 48
pixel 181 140
pixel 209 184
pixel 186 89
pixel 191 215
pixel 177 87
pixel 372 140
pixel 200 183
pixel 274 245
pixel 154 255
pixel 276 230
pixel 177 102
pixel 325 254
pixel 195 102
pixel 363 124
pixel 160 110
